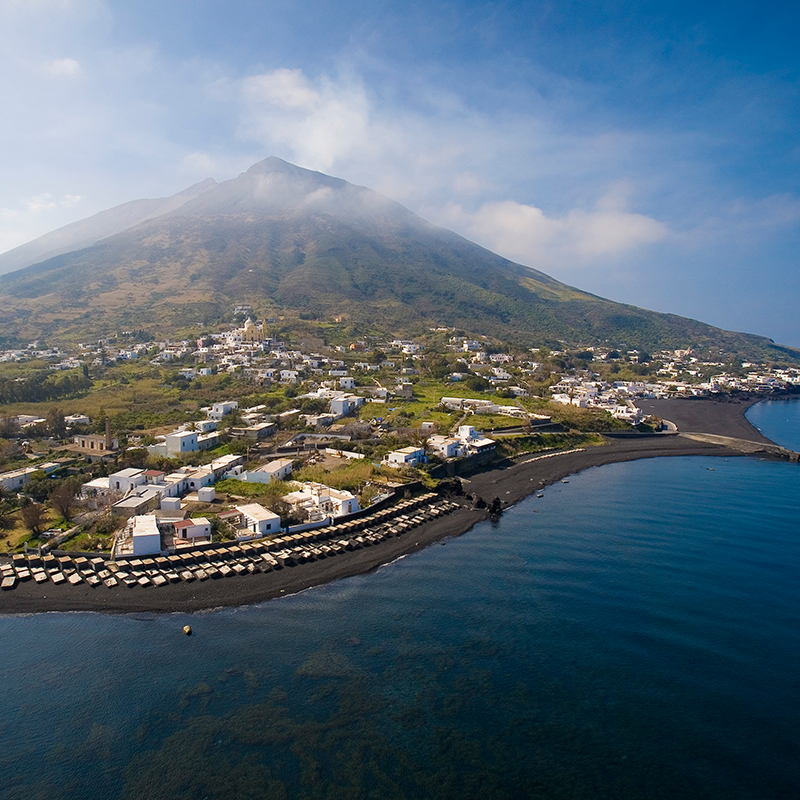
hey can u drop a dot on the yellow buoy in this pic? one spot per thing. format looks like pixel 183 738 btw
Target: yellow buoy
pixel 187 629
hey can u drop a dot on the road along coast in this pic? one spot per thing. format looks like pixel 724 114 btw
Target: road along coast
pixel 421 522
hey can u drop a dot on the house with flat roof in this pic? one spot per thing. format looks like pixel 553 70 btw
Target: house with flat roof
pixel 181 442
pixel 258 520
pixel 126 479
pixel 317 501
pixel 95 443
pixel 193 529
pixel 16 478
pixel 405 457
pixel 446 446
pixel 146 535
pixel 277 470
pixel 135 505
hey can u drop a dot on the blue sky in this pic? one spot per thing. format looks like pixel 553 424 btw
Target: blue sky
pixel 647 152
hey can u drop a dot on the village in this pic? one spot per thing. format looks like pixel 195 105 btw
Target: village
pixel 341 445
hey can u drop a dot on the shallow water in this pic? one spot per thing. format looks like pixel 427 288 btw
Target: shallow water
pixel 778 420
pixel 632 634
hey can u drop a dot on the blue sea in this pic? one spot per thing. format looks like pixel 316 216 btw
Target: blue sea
pixel 634 633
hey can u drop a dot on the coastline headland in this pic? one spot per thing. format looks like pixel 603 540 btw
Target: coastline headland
pixel 706 428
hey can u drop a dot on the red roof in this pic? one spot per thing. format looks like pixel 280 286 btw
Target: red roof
pixel 184 523
pixel 152 473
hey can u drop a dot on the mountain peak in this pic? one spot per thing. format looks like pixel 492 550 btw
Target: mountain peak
pixel 273 164
pixel 290 174
pixel 197 188
pixel 274 186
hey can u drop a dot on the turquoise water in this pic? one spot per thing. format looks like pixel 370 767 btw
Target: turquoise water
pixel 778 420
pixel 632 634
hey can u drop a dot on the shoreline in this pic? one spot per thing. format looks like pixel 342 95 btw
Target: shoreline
pixel 510 482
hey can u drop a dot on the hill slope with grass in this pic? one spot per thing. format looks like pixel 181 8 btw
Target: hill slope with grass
pixel 279 237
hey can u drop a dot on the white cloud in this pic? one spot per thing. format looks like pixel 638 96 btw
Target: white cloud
pixel 62 68
pixel 41 202
pixel 320 125
pixel 47 202
pixel 524 233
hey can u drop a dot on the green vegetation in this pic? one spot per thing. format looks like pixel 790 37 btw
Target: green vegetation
pixel 509 446
pixel 350 476
pixel 252 490
pixel 88 542
pixel 38 385
pixel 345 264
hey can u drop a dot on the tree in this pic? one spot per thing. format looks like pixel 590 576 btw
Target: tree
pixel 64 499
pixel 9 427
pixel 55 423
pixel 39 486
pixel 6 509
pixel 477 384
pixel 237 447
pixel 34 517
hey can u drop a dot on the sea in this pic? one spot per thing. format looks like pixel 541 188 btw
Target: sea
pixel 633 633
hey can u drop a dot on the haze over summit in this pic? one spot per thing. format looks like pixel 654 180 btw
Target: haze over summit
pixel 646 154
pixel 280 238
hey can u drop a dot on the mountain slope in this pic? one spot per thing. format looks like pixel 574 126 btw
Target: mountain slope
pixel 281 237
pixel 99 226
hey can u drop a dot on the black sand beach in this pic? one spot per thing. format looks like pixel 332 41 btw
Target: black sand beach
pixel 510 483
pixel 722 415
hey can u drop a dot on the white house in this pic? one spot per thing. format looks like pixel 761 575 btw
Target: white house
pixel 17 478
pixel 320 501
pixel 405 457
pixel 126 479
pixel 276 470
pixel 188 529
pixel 446 446
pixel 200 477
pixel 261 521
pixel 97 487
pixel 203 425
pixel 219 410
pixel 474 441
pixel 146 536
pixel 181 442
pixel 343 404
pixel 347 383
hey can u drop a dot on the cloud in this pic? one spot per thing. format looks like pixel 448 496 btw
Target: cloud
pixel 62 68
pixel 524 233
pixel 743 223
pixel 41 202
pixel 321 125
pixel 46 202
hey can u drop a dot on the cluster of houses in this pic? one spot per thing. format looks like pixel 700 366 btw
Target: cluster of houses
pixel 17 479
pixel 140 491
pixel 151 530
pixel 467 442
pixel 616 398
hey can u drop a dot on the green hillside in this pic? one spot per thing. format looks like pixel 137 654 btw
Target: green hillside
pixel 282 238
